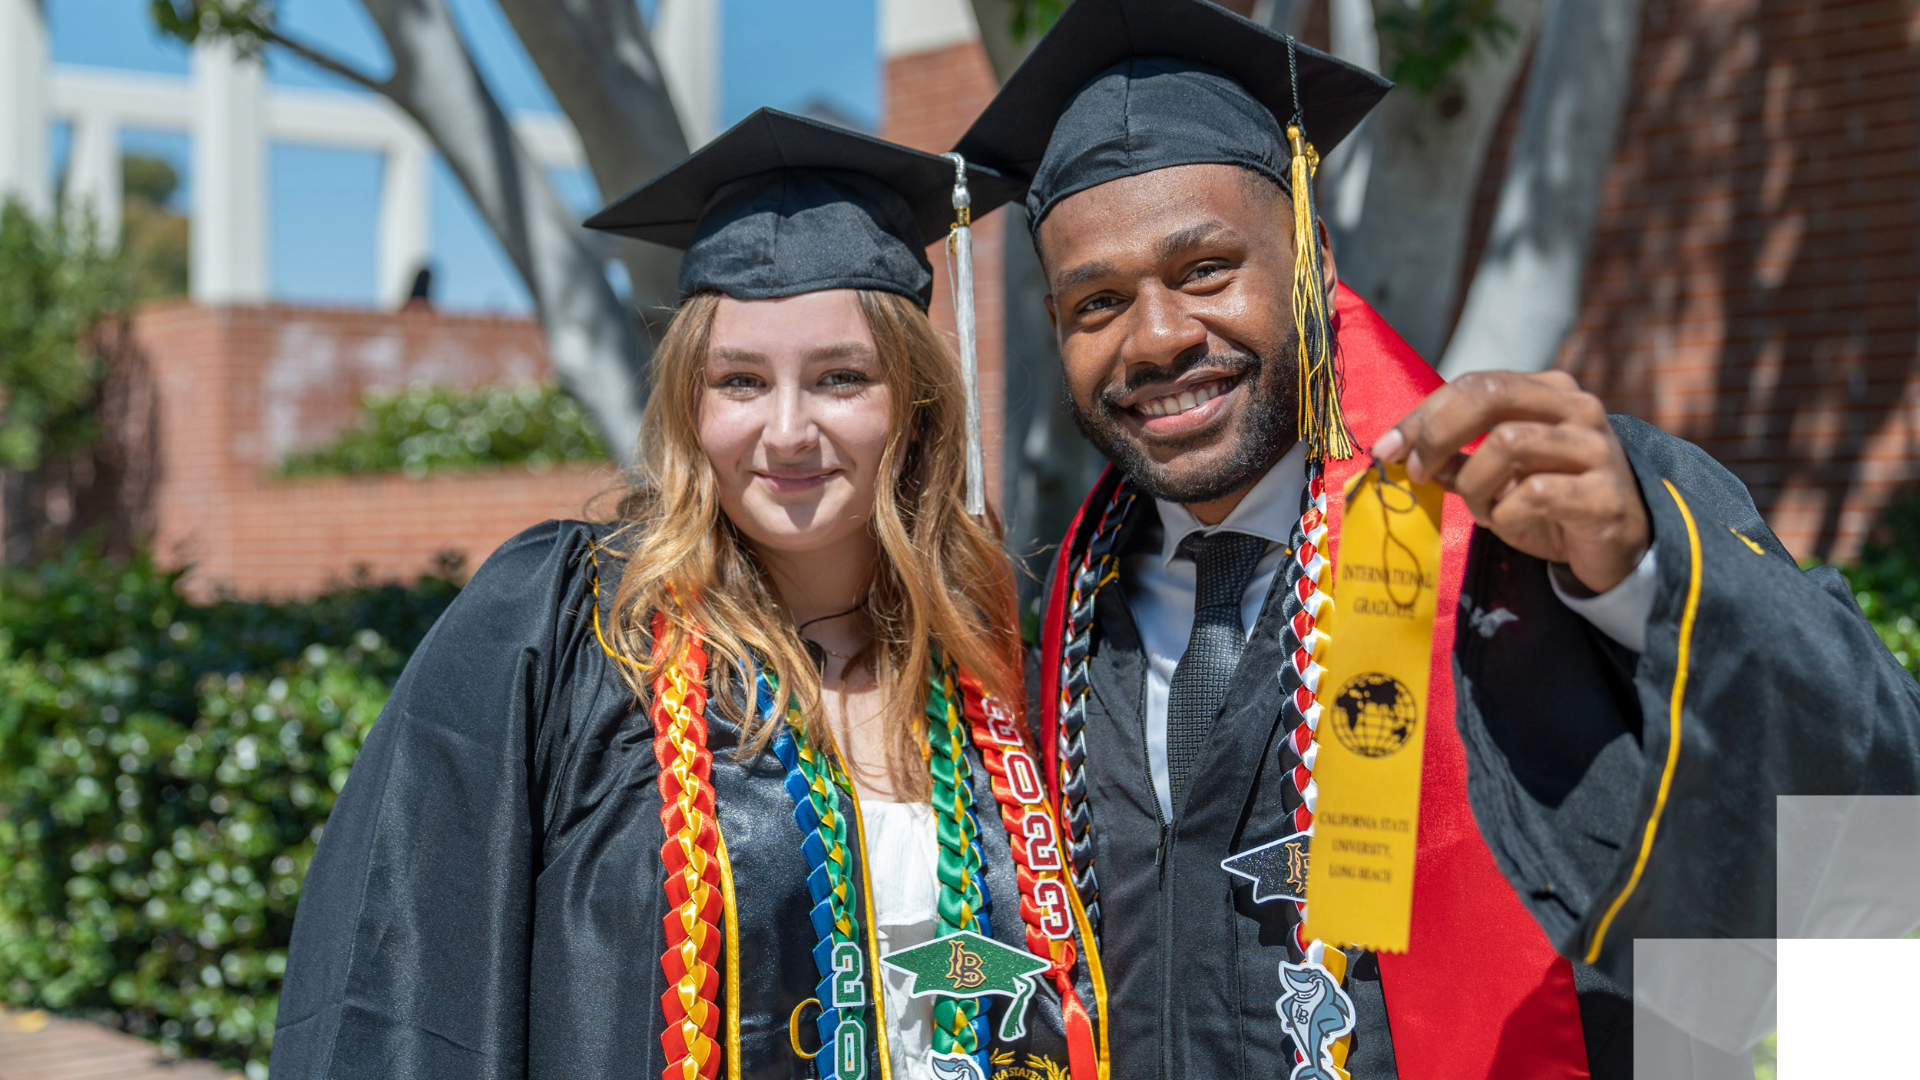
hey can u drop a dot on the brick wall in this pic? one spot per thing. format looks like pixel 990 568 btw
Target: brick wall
pixel 931 98
pixel 1755 278
pixel 239 387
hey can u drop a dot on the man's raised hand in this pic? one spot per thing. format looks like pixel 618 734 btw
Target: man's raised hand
pixel 1551 479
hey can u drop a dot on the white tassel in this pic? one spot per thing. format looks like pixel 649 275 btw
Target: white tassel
pixel 960 250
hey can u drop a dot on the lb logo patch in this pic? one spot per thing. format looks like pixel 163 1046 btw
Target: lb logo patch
pixel 964 969
pixel 968 965
pixel 1277 868
pixel 1374 714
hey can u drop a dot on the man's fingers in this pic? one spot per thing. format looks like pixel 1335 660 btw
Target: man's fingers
pixel 1534 511
pixel 1515 449
pixel 1576 519
pixel 1456 414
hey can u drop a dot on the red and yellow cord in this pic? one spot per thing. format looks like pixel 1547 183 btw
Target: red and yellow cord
pixel 693 881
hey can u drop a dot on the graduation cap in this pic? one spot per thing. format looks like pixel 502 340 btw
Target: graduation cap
pixel 1123 87
pixel 781 205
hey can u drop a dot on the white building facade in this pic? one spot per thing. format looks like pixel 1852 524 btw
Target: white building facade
pixel 232 115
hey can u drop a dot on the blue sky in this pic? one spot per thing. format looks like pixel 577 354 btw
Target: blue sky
pixel 323 203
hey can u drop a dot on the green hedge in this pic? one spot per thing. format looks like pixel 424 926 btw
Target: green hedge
pixel 165 770
pixel 437 428
pixel 1886 581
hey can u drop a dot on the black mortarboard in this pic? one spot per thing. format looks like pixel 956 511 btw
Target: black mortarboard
pixel 781 205
pixel 1123 87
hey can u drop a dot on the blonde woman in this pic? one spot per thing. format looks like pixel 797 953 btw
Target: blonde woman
pixel 735 786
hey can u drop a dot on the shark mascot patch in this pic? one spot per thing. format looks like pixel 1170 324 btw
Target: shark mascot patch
pixel 1314 1011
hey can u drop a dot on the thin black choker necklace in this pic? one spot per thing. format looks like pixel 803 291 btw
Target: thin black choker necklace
pixel 835 615
pixel 817 652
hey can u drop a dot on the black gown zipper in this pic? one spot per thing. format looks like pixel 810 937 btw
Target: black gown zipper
pixel 1162 856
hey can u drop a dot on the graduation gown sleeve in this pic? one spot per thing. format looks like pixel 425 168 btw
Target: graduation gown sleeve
pixel 415 940
pixel 1633 796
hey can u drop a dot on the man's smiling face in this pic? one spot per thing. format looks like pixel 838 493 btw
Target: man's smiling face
pixel 1171 294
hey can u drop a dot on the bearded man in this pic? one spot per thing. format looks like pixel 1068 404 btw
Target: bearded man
pixel 1623 660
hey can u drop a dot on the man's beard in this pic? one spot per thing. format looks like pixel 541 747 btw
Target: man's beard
pixel 1265 432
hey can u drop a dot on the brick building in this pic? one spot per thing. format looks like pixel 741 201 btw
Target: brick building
pixel 240 387
pixel 1755 278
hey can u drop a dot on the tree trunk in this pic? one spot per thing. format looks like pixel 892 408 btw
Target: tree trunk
pixel 598 60
pixel 1526 293
pixel 1398 201
pixel 994 18
pixel 1049 466
pixel 1281 16
pixel 1344 176
pixel 592 343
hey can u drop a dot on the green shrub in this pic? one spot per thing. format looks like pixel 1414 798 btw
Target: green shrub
pixel 165 770
pixel 435 428
pixel 1886 581
pixel 56 285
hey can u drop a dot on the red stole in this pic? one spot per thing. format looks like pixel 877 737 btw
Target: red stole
pixel 1481 994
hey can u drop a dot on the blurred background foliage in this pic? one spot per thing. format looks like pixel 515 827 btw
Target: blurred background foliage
pixel 165 771
pixel 1886 580
pixel 1429 40
pixel 57 285
pixel 155 235
pixel 436 428
pixel 1426 42
pixel 1766 1058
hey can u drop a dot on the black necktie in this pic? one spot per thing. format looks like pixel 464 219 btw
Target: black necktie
pixel 1224 563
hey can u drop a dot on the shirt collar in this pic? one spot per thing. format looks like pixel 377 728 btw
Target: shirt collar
pixel 1269 511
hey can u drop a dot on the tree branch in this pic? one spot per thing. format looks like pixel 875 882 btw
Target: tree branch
pixel 326 61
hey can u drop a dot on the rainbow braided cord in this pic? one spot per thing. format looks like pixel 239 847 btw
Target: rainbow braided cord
pixel 692 863
pixel 959 1026
pixel 815 782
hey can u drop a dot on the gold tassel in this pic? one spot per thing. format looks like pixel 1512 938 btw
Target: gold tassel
pixel 1323 427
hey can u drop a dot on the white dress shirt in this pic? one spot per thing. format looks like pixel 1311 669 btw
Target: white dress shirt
pixel 1159 588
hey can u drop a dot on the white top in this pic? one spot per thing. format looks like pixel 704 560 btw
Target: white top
pixel 1159 588
pixel 903 851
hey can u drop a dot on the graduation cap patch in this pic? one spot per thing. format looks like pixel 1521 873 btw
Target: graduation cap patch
pixel 1277 868
pixel 968 965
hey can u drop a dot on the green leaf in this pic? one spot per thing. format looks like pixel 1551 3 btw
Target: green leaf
pixel 1429 40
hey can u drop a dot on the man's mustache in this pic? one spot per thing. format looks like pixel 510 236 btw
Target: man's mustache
pixel 1231 365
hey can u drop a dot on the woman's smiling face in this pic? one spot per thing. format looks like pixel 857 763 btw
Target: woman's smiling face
pixel 795 417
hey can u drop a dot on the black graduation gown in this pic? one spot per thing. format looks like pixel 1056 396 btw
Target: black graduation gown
pixel 1569 738
pixel 486 901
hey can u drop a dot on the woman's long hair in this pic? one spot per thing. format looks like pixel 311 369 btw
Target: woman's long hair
pixel 942 580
